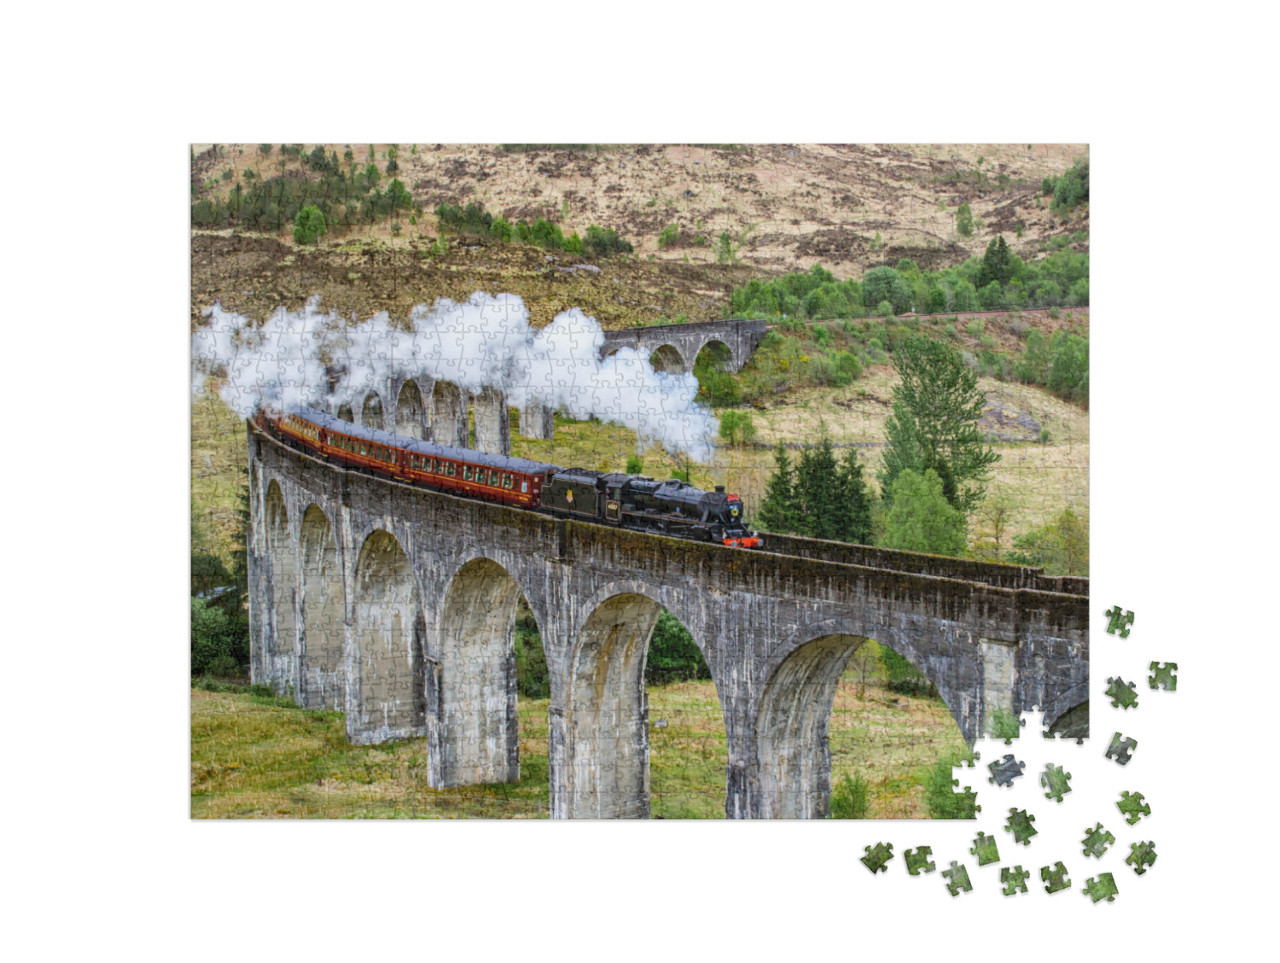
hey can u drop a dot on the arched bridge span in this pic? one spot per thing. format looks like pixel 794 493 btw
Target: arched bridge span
pixel 396 605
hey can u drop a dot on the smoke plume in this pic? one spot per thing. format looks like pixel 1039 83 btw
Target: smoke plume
pixel 317 358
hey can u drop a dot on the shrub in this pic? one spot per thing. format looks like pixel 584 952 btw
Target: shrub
pixel 673 655
pixel 532 677
pixel 214 640
pixel 940 799
pixel 1004 725
pixel 634 465
pixel 309 225
pixel 605 241
pixel 884 309
pixel 849 799
pixel 737 428
pixel 964 221
pixel 976 328
pixel 668 236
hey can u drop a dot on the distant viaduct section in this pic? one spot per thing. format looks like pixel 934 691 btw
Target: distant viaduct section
pixel 678 345
pixel 397 605
pixel 421 407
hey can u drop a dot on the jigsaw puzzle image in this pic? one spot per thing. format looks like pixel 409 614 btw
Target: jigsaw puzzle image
pixel 628 481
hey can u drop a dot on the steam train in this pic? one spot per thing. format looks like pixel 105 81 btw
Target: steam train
pixel 637 502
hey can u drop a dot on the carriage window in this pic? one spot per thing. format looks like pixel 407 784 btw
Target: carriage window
pixel 506 481
pixel 524 485
pixel 466 473
pixel 448 469
pixel 493 478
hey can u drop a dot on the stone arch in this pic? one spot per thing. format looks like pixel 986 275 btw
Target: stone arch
pixel 345 412
pixel 371 413
pixel 411 412
pixel 388 631
pixel 792 729
pixel 667 357
pixel 1068 715
pixel 283 633
pixel 793 722
pixel 722 356
pixel 479 739
pixel 323 613
pixel 448 415
pixel 609 718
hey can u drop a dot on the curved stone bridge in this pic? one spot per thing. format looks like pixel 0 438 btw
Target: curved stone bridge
pixel 423 407
pixel 677 345
pixel 397 605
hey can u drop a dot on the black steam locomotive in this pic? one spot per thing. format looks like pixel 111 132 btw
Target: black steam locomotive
pixel 639 502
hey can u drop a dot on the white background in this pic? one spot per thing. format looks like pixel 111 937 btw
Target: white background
pixel 100 855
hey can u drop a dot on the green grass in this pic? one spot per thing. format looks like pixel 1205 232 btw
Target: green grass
pixel 259 756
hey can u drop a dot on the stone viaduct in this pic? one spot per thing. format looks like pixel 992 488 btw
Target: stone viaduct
pixel 397 606
pixel 443 412
pixel 677 345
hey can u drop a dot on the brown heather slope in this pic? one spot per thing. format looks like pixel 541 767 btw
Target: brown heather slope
pixel 785 206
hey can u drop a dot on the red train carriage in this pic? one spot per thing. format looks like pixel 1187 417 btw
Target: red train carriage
pixel 629 501
pixel 461 471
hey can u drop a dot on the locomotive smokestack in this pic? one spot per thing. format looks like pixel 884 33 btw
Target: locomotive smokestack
pixel 720 489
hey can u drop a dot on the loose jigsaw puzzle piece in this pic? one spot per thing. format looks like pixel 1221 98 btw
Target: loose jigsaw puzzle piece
pixel 1005 771
pixel 1134 806
pixel 878 858
pixel 1056 782
pixel 1015 879
pixel 1123 694
pixel 1119 621
pixel 1019 823
pixel 984 847
pixel 1141 856
pixel 958 879
pixel 918 860
pixel 1096 841
pixel 1165 676
pixel 1120 749
pixel 1104 887
pixel 1054 879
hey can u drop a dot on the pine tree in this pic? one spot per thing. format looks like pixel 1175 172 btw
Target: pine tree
pixel 997 264
pixel 777 511
pixel 819 493
pixel 856 509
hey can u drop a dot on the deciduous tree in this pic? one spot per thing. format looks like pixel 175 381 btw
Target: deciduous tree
pixel 934 425
pixel 921 518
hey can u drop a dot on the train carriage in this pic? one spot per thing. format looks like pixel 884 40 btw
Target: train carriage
pixel 636 502
pixel 474 474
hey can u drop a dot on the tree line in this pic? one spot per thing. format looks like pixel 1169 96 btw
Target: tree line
pixel 345 198
pixel 935 471
pixel 1000 280
pixel 473 218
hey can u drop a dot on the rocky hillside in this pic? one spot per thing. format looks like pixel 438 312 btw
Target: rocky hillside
pixel 784 207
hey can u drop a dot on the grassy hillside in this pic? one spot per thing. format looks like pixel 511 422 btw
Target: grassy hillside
pixel 258 756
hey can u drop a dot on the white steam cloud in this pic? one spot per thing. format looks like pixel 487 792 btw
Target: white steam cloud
pixel 317 358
